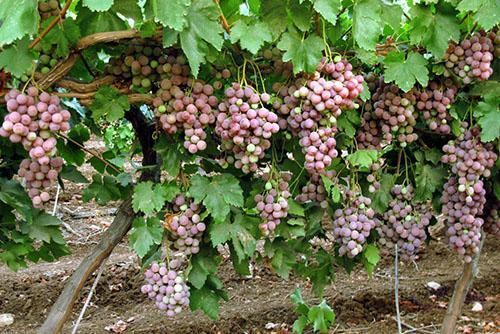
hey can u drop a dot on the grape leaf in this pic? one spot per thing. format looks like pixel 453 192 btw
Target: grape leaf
pixel 103 189
pixel 93 22
pixel 381 198
pixel 218 193
pixel 488 117
pixel 367 23
pixel 433 31
pixel 300 324
pixel 110 104
pixel 70 173
pixel 391 14
pixel 148 197
pixel 251 36
pixel 202 29
pixel 321 316
pixel 428 180
pixel 144 234
pixel 275 16
pixel 128 8
pixel 371 256
pixel 301 14
pixel 63 37
pixel 329 9
pixel 485 11
pixel 304 53
pixel 44 227
pixel 17 19
pixel 405 72
pixel 206 300
pixel 203 265
pixel 98 5
pixel 362 158
pixel 170 13
pixel 17 58
pixel 70 150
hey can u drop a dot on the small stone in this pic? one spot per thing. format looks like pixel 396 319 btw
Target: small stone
pixel 477 307
pixel 433 285
pixel 6 319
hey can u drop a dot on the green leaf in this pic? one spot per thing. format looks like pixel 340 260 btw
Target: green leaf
pixel 485 11
pixel 144 234
pixel 72 174
pixel 367 23
pixel 295 208
pixel 170 37
pixel 45 227
pixel 110 104
pixel 371 257
pixel 251 36
pixel 148 197
pixel 322 317
pixel 363 158
pixel 433 31
pixel 17 19
pixel 128 8
pixel 300 324
pixel 103 189
pixel 203 265
pixel 69 150
pixel 219 233
pixel 275 16
pixel 428 180
pixel 98 5
pixel 13 194
pixel 218 194
pixel 93 22
pixel 405 72
pixel 17 58
pixel 488 117
pixel 381 198
pixel 171 156
pixel 301 14
pixel 206 300
pixel 391 14
pixel 202 29
pixel 170 13
pixel 329 9
pixel 62 37
pixel 305 53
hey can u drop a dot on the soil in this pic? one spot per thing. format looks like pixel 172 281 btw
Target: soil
pixel 260 304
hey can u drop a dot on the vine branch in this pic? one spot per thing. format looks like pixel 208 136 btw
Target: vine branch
pixel 52 24
pixel 223 19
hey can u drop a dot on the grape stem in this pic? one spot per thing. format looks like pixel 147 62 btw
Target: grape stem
pixel 52 24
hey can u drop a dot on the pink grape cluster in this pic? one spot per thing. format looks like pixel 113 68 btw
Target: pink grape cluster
pixel 492 220
pixel 405 223
pixel 334 86
pixel 472 58
pixel 464 194
pixel 245 126
pixel 186 226
pixel 434 103
pixel 39 177
pixel 369 135
pixel 166 286
pixel 191 113
pixel 353 224
pixel 273 203
pixel 395 111
pixel 319 149
pixel 315 190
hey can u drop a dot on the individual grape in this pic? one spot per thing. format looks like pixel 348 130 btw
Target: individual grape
pixel 166 286
pixel 352 224
pixel 272 204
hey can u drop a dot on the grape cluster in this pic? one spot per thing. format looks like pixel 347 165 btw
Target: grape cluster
pixel 190 112
pixel 39 177
pixel 464 194
pixel 319 149
pixel 245 126
pixel 492 220
pixel 32 120
pixel 146 63
pixel 166 286
pixel 352 225
pixel 472 58
pixel 47 58
pixel 273 203
pixel 276 65
pixel 372 178
pixel 396 113
pixel 369 134
pixel 405 223
pixel 434 103
pixel 48 8
pixel 186 226
pixel 314 190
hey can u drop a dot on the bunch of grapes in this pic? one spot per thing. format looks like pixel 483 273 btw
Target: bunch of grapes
pixel 273 203
pixel 48 8
pixel 332 87
pixel 405 223
pixel 276 65
pixel 245 125
pixel 369 135
pixel 314 190
pixel 48 58
pixel 166 286
pixel 319 149
pixel 372 178
pixel 353 224
pixel 32 119
pixel 464 194
pixel 434 103
pixel 472 58
pixel 492 220
pixel 395 111
pixel 39 177
pixel 192 113
pixel 186 225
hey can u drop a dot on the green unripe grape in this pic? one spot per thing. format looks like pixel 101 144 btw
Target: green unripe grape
pixel 153 64
pixel 297 110
pixel 288 136
pixel 239 102
pixel 136 81
pixel 251 148
pixel 403 144
pixel 333 119
pixel 337 58
pixel 24 78
pixel 45 70
pixel 253 158
pixel 269 185
pixel 362 206
pixel 146 83
pixel 53 62
pixel 408 218
pixel 254 106
pixel 405 102
pixel 162 108
pixel 44 59
pixel 356 106
pixel 184 207
pixel 466 68
pixel 46 48
pixel 53 4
